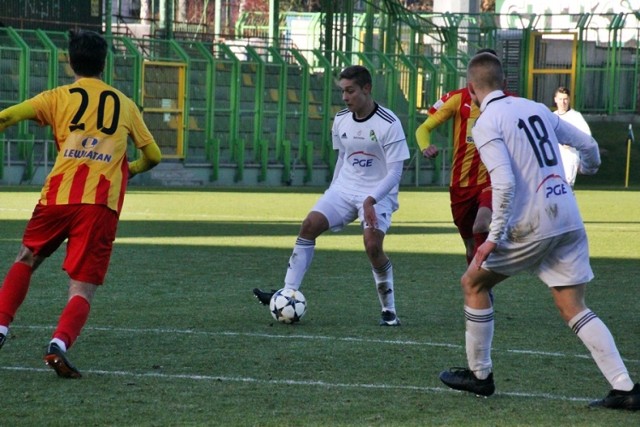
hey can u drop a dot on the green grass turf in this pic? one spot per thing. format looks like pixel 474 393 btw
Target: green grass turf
pixel 175 336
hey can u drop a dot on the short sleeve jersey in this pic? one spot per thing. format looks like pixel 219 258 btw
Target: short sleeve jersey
pixel 467 169
pixel 91 123
pixel 543 204
pixel 368 145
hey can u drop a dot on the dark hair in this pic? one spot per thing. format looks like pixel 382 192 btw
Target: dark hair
pixel 487 50
pixel 87 53
pixel 358 73
pixel 562 89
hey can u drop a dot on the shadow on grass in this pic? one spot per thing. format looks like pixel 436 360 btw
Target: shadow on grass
pixel 13 229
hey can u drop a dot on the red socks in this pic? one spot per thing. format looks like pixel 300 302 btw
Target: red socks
pixel 13 291
pixel 72 320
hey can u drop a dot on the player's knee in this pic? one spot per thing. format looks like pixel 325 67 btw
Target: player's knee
pixel 470 286
pixel 479 228
pixel 313 226
pixel 482 221
pixel 481 225
pixel 306 226
pixel 465 282
pixel 25 256
pixel 82 289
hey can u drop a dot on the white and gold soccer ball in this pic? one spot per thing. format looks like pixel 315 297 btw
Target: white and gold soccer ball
pixel 288 305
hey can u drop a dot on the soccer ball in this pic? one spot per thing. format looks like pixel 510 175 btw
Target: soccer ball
pixel 288 306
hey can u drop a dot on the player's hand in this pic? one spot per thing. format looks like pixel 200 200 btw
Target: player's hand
pixel 430 152
pixel 370 217
pixel 483 253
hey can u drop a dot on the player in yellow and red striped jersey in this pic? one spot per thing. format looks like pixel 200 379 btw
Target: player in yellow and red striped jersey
pixel 82 196
pixel 470 185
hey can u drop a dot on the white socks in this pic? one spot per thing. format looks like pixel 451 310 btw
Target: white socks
pixel 596 337
pixel 478 337
pixel 383 277
pixel 60 343
pixel 299 262
pixel 586 325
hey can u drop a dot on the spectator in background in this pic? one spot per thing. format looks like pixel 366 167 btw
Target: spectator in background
pixel 488 6
pixel 570 156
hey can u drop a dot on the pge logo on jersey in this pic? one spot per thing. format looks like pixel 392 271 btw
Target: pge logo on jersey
pixel 554 185
pixel 555 190
pixel 362 159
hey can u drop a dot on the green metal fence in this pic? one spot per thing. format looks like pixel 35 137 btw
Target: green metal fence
pixel 244 104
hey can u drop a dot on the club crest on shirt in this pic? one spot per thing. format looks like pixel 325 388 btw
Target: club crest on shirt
pixel 373 136
pixel 85 150
pixel 89 142
pixel 439 103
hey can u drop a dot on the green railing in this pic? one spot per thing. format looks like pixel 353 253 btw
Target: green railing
pixel 270 108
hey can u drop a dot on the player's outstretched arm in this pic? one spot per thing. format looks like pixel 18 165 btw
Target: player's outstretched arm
pixel 151 156
pixel 423 137
pixel 15 114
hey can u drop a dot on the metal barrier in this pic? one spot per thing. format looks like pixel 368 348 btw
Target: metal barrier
pixel 246 105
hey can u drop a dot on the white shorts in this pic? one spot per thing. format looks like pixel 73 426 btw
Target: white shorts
pixel 341 209
pixel 558 261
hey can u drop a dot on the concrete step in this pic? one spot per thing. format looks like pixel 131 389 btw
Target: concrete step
pixel 175 174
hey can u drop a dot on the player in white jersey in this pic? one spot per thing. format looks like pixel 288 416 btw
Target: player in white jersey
pixel 536 226
pixel 570 156
pixel 372 148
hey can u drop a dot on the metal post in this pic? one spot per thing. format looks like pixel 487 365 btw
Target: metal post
pixel 108 18
pixel 217 19
pixel 168 19
pixel 630 139
pixel 327 9
pixel 274 23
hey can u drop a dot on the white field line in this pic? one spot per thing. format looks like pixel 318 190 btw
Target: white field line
pixel 213 378
pixel 317 338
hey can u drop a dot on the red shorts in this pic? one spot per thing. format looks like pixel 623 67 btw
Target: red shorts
pixel 90 230
pixel 465 203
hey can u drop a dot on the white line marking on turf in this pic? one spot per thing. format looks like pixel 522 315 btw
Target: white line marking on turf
pixel 319 338
pixel 215 378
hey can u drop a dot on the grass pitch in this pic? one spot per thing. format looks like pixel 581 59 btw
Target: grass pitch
pixel 175 336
